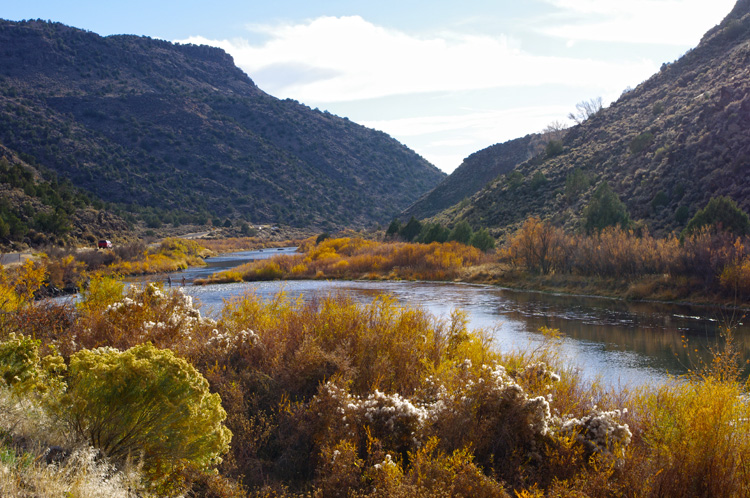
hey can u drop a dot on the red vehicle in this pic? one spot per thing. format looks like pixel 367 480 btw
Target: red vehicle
pixel 104 244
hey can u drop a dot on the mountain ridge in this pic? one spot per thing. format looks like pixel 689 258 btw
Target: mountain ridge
pixel 166 129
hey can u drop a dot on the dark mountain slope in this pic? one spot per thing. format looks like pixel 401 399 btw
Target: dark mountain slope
pixel 474 172
pixel 666 147
pixel 150 124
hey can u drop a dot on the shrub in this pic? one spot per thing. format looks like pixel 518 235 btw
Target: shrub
pixel 144 403
pixel 554 148
pixel 641 142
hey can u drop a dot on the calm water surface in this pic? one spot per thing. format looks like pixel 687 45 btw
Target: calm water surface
pixel 624 343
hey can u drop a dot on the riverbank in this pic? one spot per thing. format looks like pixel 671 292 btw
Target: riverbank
pixel 359 259
pixel 650 288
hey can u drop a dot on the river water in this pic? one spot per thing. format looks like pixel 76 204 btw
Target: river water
pixel 622 343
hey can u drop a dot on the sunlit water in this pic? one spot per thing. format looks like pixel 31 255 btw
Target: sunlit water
pixel 623 343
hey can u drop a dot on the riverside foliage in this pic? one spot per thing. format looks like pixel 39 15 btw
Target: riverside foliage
pixel 351 257
pixel 329 397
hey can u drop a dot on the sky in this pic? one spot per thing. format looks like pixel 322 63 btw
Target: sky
pixel 445 78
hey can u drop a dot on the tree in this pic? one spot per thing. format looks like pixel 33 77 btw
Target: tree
pixel 393 228
pixel 411 229
pixel 605 209
pixel 585 110
pixel 433 232
pixel 538 246
pixel 462 233
pixel 721 214
pixel 482 240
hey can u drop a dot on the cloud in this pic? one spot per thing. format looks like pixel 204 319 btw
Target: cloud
pixel 347 59
pixel 665 22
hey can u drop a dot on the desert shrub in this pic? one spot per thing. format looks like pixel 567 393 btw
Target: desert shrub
pixel 101 291
pixel 18 287
pixel 696 435
pixel 358 258
pixel 553 148
pixel 576 183
pixel 144 314
pixel 144 403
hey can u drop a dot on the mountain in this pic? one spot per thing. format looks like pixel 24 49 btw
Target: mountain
pixel 474 172
pixel 179 133
pixel 665 147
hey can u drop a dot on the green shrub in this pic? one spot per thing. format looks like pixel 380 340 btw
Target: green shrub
pixel 605 209
pixel 721 214
pixel 575 184
pixel 681 214
pixel 538 180
pixel 641 142
pixel 554 148
pixel 144 402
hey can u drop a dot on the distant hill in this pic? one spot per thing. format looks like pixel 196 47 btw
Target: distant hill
pixel 474 173
pixel 666 147
pixel 180 134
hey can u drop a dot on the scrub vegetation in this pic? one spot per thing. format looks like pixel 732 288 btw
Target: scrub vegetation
pixel 136 393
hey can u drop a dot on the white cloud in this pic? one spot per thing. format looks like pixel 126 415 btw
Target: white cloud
pixel 338 59
pixel 667 22
pixel 468 132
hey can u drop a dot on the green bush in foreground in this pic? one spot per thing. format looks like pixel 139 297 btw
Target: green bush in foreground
pixel 144 402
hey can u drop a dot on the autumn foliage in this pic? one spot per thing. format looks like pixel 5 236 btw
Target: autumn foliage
pixel 705 261
pixel 349 258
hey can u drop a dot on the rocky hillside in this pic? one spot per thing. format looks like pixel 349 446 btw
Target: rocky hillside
pixel 474 172
pixel 666 147
pixel 180 134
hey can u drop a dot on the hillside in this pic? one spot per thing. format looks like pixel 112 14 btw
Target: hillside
pixel 474 172
pixel 38 209
pixel 666 147
pixel 180 134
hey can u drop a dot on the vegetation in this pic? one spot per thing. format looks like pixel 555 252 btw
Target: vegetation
pixel 350 258
pixel 605 210
pixel 224 150
pixel 722 214
pixel 704 266
pixel 328 397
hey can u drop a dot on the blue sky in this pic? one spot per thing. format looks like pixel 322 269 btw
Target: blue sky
pixel 446 78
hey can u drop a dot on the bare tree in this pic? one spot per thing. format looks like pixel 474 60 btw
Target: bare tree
pixel 586 109
pixel 555 130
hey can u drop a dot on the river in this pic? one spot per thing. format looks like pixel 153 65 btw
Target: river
pixel 622 343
